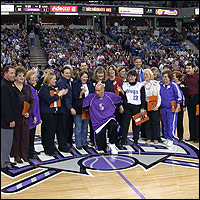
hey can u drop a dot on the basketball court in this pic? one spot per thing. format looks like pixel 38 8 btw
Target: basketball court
pixel 137 172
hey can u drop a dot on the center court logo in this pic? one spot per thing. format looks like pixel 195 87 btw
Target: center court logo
pixel 85 161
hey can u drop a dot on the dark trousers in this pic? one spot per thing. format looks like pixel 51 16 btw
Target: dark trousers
pixel 20 142
pixel 63 130
pixel 129 111
pixel 31 141
pixel 118 116
pixel 180 124
pixel 193 119
pixel 152 125
pixel 91 132
pixel 100 138
pixel 143 130
pixel 43 130
pixel 70 123
pixel 49 121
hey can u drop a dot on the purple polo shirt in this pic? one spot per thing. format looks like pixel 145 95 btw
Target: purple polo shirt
pixel 192 84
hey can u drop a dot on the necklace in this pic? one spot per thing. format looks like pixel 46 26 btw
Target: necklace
pixel 148 86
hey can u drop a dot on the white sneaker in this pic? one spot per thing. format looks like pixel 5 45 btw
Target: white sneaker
pixel 113 148
pixel 166 141
pixel 170 148
pixel 113 158
pixel 170 143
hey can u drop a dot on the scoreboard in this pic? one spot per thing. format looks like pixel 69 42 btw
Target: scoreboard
pixel 28 8
pixel 55 9
pixel 149 11
pixel 44 8
pixel 32 8
pixel 19 8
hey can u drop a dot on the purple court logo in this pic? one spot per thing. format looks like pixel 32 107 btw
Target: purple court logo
pixel 85 161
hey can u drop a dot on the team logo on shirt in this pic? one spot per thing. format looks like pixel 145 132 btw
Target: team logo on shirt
pixel 85 161
pixel 101 106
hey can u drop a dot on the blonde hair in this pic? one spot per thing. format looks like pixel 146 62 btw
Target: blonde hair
pixel 29 73
pixel 47 78
pixel 119 69
pixel 44 73
pixel 150 72
pixel 99 69
pixel 114 68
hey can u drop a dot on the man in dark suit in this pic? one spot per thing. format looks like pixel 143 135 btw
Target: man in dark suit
pixel 65 118
pixel 9 112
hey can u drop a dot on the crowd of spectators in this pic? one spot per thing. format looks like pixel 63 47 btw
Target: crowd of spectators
pixel 14 47
pixel 71 46
pixel 155 47
pixel 193 36
pixel 186 4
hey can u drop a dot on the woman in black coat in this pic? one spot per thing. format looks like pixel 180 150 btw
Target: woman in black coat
pixel 48 98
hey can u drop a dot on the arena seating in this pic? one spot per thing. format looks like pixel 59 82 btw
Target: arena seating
pixel 14 47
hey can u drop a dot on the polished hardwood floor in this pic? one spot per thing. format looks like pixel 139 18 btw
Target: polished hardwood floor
pixel 170 178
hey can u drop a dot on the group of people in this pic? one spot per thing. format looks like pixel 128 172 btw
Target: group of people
pixel 101 101
pixel 70 46
pixel 14 47
pixel 155 46
pixel 193 35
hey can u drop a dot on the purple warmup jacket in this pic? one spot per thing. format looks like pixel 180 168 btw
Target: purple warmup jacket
pixel 171 93
pixel 101 109
pixel 36 109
